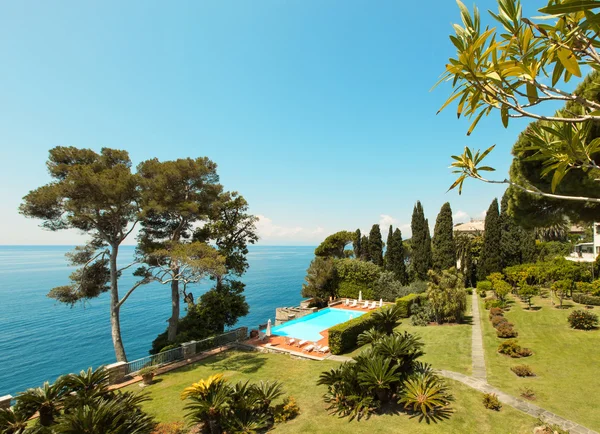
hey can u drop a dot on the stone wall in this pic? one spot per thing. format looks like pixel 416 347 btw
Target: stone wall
pixel 284 314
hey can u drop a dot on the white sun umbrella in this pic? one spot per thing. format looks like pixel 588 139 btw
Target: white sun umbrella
pixel 380 302
pixel 268 333
pixel 359 296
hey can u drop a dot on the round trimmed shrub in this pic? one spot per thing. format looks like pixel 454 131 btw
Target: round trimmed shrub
pixel 523 371
pixel 583 320
pixel 506 330
pixel 497 321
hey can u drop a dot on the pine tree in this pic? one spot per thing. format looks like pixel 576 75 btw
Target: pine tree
pixel 364 249
pixel 357 244
pixel 395 257
pixel 376 246
pixel 386 257
pixel 420 243
pixel 443 246
pixel 491 260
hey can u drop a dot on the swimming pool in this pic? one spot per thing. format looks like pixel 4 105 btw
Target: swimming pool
pixel 308 327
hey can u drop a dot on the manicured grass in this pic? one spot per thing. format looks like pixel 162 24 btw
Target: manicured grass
pixel 566 361
pixel 446 347
pixel 299 377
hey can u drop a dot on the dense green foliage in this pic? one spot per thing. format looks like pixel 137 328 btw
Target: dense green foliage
pixel 446 296
pixel 357 244
pixel 376 246
pixel 335 244
pixel 583 320
pixel 77 404
pixel 491 260
pixel 405 303
pixel 589 300
pixel 395 257
pixel 321 279
pixel 420 244
pixel 355 276
pixel 442 244
pixel 344 336
pixel 516 244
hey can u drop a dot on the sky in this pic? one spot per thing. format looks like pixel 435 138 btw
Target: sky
pixel 320 113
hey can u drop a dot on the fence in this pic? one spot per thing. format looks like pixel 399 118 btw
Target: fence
pixel 176 354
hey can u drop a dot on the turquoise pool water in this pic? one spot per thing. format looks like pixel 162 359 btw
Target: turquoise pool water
pixel 309 326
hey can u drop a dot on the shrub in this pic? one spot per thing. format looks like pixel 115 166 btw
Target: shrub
pixel 446 295
pixel 404 304
pixel 497 321
pixel 355 276
pixel 469 291
pixel 424 394
pixel 493 302
pixel 523 371
pixel 287 411
pixel 491 402
pixel 416 287
pixel 582 320
pixel 506 330
pixel 344 336
pixel 496 311
pixel 483 287
pixel 421 315
pixel 513 349
pixel 586 299
pixel 528 393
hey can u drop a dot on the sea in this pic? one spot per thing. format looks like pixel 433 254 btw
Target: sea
pixel 41 339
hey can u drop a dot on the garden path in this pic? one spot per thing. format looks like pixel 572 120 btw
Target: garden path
pixel 477 357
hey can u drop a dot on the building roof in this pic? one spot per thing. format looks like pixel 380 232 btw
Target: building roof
pixel 472 226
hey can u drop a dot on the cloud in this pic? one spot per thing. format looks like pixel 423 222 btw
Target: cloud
pixel 482 214
pixel 386 220
pixel 460 216
pixel 267 230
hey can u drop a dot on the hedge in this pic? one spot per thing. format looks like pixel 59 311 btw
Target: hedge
pixel 586 299
pixel 352 290
pixel 405 303
pixel 343 336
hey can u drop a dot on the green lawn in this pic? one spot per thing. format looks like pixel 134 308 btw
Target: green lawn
pixel 566 361
pixel 446 347
pixel 299 377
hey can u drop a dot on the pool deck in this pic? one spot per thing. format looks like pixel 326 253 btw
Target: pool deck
pixel 278 343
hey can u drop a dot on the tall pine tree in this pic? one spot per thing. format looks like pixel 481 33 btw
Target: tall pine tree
pixel 386 257
pixel 364 249
pixel 356 245
pixel 420 243
pixel 376 246
pixel 491 260
pixel 395 257
pixel 443 247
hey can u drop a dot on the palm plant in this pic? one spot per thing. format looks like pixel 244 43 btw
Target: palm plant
pixel 86 386
pixel 210 405
pixel 120 413
pixel 202 387
pixel 266 392
pixel 45 400
pixel 12 421
pixel 424 393
pixel 369 336
pixel 403 349
pixel 379 375
pixel 246 421
pixel 387 318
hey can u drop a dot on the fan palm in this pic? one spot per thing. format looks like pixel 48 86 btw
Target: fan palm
pixel 401 348
pixel 45 400
pixel 424 393
pixel 209 406
pixel 387 318
pixel 379 375
pixel 266 392
pixel 87 385
pixel 369 336
pixel 246 421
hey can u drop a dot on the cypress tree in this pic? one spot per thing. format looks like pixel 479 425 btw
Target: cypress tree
pixel 511 237
pixel 364 248
pixel 491 260
pixel 357 244
pixel 395 257
pixel 443 246
pixel 386 258
pixel 420 243
pixel 376 246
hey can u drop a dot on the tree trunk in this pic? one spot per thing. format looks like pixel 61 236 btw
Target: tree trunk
pixel 172 329
pixel 115 309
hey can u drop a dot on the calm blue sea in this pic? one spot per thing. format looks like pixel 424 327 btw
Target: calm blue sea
pixel 41 339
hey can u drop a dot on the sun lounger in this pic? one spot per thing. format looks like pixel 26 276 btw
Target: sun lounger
pixel 354 303
pixel 373 305
pixel 309 348
pixel 347 302
pixel 365 305
pixel 324 349
pixel 290 341
pixel 302 343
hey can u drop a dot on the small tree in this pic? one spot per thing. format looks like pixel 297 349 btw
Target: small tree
pixel 527 292
pixel 376 246
pixel 320 280
pixel 443 247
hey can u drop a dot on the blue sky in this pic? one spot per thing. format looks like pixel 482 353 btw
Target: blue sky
pixel 318 112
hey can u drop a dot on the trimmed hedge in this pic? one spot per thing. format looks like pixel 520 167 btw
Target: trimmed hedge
pixel 343 336
pixel 586 299
pixel 405 303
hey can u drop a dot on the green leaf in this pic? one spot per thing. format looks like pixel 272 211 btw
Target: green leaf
pixel 532 94
pixel 504 115
pixel 557 73
pixel 567 8
pixel 569 61
pixel 475 122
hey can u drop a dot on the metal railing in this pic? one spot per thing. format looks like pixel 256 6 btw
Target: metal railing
pixel 177 354
pixel 159 359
